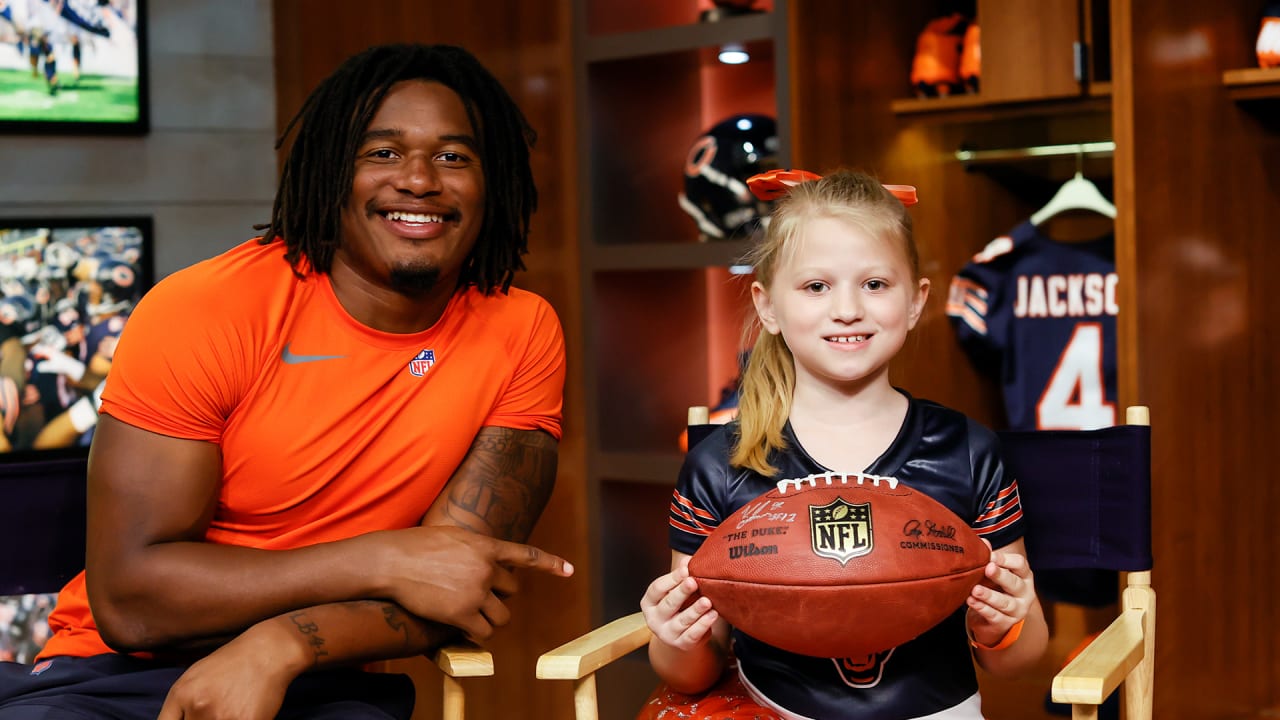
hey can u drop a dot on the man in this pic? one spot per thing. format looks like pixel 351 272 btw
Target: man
pixel 258 474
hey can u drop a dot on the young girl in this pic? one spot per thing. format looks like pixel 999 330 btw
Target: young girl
pixel 837 289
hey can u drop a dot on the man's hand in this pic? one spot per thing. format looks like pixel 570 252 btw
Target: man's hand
pixel 458 577
pixel 245 679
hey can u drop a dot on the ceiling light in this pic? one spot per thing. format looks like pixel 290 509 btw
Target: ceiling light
pixel 733 54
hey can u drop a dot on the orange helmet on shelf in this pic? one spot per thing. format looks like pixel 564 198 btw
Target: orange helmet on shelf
pixel 1269 37
pixel 935 70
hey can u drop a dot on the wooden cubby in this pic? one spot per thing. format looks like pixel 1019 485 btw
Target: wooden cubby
pixel 1032 53
pixel 662 313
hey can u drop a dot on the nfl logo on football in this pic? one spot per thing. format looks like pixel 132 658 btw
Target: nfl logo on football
pixel 841 531
pixel 422 362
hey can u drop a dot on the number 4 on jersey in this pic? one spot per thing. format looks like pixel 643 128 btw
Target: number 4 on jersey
pixel 1075 398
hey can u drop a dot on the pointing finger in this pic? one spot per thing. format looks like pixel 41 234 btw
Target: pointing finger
pixel 519 555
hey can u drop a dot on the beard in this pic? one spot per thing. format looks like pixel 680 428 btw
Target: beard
pixel 414 280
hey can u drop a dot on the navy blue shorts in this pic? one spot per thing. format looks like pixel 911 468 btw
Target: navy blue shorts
pixel 121 687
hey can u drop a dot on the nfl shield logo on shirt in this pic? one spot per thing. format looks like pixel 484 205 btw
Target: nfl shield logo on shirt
pixel 422 362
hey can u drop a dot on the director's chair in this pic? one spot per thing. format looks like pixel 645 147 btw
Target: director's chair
pixel 1087 500
pixel 42 533
pixel 1086 495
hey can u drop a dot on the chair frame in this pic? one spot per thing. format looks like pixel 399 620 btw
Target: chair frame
pixel 1123 655
pixel 579 659
pixel 459 661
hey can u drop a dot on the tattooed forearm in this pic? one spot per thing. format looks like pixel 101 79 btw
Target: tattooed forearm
pixel 347 632
pixel 504 482
pixel 312 633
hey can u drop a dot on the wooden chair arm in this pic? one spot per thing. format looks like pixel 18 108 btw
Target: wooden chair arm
pixel 584 655
pixel 1100 668
pixel 464 660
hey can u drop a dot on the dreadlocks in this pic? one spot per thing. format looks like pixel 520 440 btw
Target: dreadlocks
pixel 316 182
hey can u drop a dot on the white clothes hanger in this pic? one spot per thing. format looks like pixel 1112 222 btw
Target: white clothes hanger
pixel 1078 193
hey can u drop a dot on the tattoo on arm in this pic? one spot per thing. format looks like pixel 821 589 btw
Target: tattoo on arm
pixel 396 620
pixel 412 634
pixel 312 633
pixel 504 482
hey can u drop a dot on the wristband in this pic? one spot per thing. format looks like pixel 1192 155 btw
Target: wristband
pixel 1009 638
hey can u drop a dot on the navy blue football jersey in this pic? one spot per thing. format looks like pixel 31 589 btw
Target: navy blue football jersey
pixel 1041 315
pixel 939 452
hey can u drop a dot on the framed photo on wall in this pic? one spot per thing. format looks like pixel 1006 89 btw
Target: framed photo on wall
pixel 76 67
pixel 67 288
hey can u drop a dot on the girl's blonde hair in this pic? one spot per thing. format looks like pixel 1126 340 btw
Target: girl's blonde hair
pixel 769 378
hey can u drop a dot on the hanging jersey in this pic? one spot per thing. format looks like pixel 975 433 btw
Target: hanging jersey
pixel 1041 315
pixel 939 452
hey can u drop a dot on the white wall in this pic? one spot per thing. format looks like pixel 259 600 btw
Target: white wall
pixel 206 172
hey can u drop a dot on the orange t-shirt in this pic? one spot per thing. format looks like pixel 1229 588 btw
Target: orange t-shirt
pixel 328 429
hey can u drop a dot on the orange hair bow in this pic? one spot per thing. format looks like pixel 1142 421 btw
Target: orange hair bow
pixel 774 184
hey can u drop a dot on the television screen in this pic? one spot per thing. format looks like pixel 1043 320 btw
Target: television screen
pixel 73 66
pixel 67 287
pixel 24 625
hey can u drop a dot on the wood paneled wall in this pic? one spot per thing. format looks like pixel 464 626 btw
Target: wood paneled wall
pixel 1206 203
pixel 526 44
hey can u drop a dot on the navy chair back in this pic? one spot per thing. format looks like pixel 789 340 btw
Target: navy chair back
pixel 42 523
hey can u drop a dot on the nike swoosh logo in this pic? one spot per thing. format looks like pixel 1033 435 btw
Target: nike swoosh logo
pixel 293 359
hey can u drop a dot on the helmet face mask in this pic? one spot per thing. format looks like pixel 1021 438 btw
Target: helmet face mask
pixel 715 173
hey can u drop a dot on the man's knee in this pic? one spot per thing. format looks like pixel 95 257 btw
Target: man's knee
pixel 349 694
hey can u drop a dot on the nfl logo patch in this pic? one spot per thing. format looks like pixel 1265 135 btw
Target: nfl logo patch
pixel 41 667
pixel 422 362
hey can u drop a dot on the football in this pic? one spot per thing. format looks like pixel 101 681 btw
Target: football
pixel 838 565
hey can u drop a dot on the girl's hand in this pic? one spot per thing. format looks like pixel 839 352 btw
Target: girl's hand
pixel 994 610
pixel 674 611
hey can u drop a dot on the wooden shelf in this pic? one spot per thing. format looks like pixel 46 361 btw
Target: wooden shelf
pixel 680 38
pixel 663 256
pixel 913 106
pixel 1252 83
pixel 973 108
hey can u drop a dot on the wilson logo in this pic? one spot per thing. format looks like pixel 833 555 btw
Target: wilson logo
pixel 750 550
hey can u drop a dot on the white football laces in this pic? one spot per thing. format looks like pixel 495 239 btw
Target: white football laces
pixel 833 478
